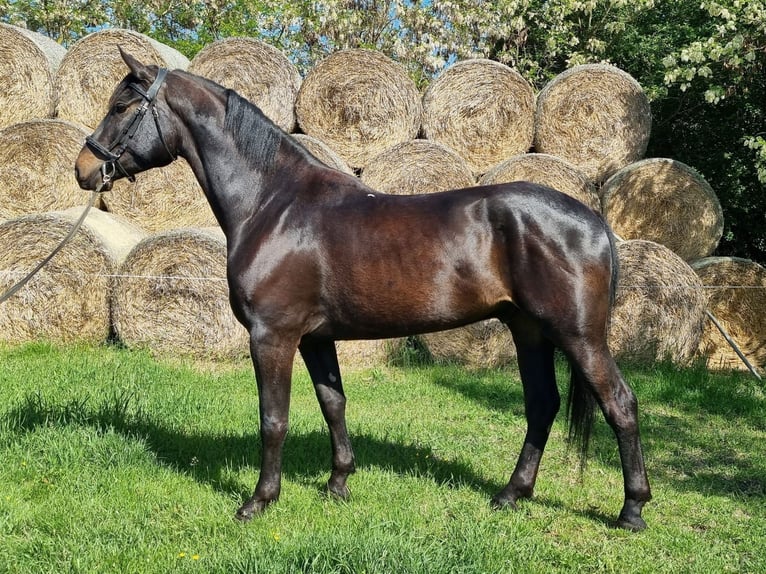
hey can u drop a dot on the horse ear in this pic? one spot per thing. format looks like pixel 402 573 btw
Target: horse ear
pixel 139 70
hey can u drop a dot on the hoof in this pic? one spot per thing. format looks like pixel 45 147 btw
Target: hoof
pixel 341 493
pixel 630 516
pixel 251 509
pixel 503 503
pixel 631 523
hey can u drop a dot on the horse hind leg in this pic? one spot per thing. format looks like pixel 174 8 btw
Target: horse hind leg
pixel 594 366
pixel 322 363
pixel 541 404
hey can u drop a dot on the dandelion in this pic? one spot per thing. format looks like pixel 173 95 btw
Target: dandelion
pixel 195 557
pixel 276 536
pixel 182 555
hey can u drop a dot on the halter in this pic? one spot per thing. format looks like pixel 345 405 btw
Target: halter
pixel 113 153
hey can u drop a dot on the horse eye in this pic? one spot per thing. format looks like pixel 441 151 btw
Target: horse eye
pixel 120 108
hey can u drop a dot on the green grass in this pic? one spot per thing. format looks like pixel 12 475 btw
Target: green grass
pixel 111 461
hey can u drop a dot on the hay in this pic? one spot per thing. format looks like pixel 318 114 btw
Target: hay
pixel 28 65
pixel 258 71
pixel 483 110
pixel 92 68
pixel 659 311
pixel 486 344
pixel 359 102
pixel 665 201
pixel 737 298
pixel 161 199
pixel 171 297
pixel 323 152
pixel 366 354
pixel 594 116
pixel 417 166
pixel 68 300
pixel 36 167
pixel 547 170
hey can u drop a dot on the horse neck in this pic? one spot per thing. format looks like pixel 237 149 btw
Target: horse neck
pixel 232 149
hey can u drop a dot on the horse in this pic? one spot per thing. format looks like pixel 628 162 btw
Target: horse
pixel 315 256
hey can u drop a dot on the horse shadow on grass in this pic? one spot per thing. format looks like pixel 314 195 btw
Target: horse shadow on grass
pixel 216 459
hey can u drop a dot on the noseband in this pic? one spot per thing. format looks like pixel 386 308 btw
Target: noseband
pixel 113 153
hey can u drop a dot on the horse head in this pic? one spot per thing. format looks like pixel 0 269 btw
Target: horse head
pixel 123 143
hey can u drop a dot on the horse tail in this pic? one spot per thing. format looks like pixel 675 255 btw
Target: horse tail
pixel 581 403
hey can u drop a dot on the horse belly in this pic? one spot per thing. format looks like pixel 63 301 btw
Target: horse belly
pixel 385 297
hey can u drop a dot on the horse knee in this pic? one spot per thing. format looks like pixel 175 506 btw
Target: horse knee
pixel 274 431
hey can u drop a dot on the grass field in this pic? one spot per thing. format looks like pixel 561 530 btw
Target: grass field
pixel 111 461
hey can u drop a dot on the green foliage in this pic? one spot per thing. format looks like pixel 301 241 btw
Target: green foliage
pixel 702 62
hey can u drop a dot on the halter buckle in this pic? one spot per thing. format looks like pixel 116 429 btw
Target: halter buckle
pixel 108 170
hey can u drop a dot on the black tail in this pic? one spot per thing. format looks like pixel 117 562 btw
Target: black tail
pixel 581 404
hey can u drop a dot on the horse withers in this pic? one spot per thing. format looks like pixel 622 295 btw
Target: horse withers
pixel 315 256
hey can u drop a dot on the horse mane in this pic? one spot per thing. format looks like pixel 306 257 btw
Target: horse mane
pixel 256 136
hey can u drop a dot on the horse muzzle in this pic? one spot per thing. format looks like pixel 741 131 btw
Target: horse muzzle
pixel 92 172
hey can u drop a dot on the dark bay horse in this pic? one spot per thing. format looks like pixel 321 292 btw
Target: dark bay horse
pixel 314 256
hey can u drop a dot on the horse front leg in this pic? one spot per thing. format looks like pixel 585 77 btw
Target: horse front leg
pixel 273 372
pixel 322 363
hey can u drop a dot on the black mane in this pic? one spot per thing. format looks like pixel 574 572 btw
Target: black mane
pixel 257 137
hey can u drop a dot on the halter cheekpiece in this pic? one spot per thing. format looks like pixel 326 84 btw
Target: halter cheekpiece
pixel 113 153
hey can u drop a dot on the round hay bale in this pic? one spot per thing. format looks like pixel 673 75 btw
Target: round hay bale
pixel 36 162
pixel 594 116
pixel 323 153
pixel 171 296
pixel 359 102
pixel 659 310
pixel 257 71
pixel 486 344
pixel 483 110
pixel 161 199
pixel 28 65
pixel 547 170
pixel 665 201
pixel 366 354
pixel 92 68
pixel 417 166
pixel 68 300
pixel 737 299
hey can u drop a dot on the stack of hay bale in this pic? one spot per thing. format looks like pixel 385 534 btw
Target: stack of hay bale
pixel 585 134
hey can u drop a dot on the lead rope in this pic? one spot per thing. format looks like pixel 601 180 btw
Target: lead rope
pixel 13 290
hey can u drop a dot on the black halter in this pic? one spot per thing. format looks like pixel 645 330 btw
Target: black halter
pixel 112 153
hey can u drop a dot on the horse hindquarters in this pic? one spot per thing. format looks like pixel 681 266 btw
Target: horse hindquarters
pixel 563 266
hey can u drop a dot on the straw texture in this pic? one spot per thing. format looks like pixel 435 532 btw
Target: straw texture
pixel 92 68
pixel 482 345
pixel 68 300
pixel 323 152
pixel 28 65
pixel 594 116
pixel 483 110
pixel 257 71
pixel 737 300
pixel 659 311
pixel 545 169
pixel 36 167
pixel 666 201
pixel 417 166
pixel 161 199
pixel 171 296
pixel 359 102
